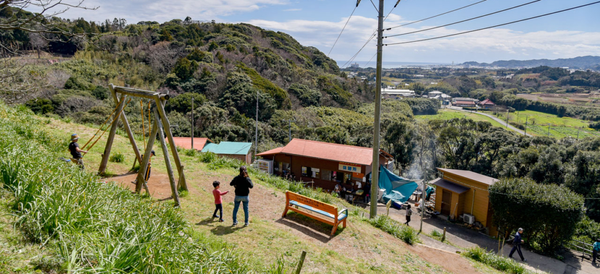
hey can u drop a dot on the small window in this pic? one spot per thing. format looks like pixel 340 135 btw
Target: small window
pixel 326 175
pixel 316 173
pixel 305 171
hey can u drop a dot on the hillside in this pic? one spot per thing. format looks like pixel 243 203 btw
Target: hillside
pixel 582 62
pixel 97 226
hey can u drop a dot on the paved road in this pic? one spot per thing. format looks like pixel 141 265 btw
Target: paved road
pixel 462 237
pixel 502 122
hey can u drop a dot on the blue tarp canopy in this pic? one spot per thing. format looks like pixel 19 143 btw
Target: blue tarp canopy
pixel 397 189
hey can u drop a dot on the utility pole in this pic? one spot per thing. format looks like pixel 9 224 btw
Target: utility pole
pixel 376 125
pixel 290 128
pixel 548 130
pixel 256 133
pixel 192 122
pixel 506 117
pixel 526 125
pixel 578 133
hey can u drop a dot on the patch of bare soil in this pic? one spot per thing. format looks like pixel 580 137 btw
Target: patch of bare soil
pixel 451 262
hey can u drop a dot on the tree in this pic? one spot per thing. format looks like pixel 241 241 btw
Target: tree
pixel 549 218
pixel 16 85
pixel 399 137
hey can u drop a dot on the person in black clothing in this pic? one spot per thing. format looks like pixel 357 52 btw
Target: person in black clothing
pixel 242 185
pixel 147 175
pixel 517 241
pixel 367 192
pixel 408 214
pixel 76 151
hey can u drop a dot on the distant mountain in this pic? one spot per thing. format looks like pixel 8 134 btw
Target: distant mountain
pixel 582 62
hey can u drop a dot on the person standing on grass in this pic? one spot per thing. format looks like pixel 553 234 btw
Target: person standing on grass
pixel 76 151
pixel 218 202
pixel 242 185
pixel 517 241
pixel 408 214
pixel 595 251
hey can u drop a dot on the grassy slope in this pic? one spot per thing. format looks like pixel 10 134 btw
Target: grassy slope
pixel 560 127
pixel 359 248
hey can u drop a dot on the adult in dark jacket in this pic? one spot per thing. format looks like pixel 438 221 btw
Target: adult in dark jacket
pixel 517 241
pixel 242 185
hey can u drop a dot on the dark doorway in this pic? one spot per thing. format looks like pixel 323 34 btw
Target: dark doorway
pixel 446 202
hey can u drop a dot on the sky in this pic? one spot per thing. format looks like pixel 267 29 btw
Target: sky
pixel 318 23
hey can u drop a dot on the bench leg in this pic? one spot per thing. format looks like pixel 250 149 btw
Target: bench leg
pixel 345 222
pixel 334 229
pixel 284 212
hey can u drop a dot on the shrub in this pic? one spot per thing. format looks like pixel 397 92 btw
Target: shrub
pixel 548 213
pixel 207 157
pixel 100 92
pixel 498 262
pixel 117 158
pixel 405 233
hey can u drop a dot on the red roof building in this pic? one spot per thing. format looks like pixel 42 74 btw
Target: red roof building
pixel 464 104
pixel 186 142
pixel 325 164
pixel 487 103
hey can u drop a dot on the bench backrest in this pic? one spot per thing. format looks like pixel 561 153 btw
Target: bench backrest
pixel 291 196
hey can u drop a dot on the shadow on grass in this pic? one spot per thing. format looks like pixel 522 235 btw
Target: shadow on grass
pixel 310 227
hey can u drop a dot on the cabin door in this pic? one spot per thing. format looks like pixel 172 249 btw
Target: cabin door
pixel 446 202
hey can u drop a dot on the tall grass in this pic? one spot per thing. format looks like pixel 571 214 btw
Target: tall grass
pixel 498 262
pixel 93 226
pixel 403 232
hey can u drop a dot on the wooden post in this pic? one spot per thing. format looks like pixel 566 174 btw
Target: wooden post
pixel 127 127
pixel 167 127
pixel 144 162
pixel 165 150
pixel 444 235
pixel 299 268
pixel 111 137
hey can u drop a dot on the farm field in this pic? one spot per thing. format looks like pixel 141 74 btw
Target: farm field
pixel 560 127
pixel 270 242
pixel 587 99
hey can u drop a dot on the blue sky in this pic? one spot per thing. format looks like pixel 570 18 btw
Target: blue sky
pixel 318 22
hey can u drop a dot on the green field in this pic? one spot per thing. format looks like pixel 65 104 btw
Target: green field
pixel 560 127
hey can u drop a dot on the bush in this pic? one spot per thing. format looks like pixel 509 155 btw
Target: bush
pixel 405 233
pixel 422 106
pixel 117 158
pixel 498 262
pixel 548 213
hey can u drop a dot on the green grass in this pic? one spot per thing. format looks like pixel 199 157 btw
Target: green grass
pixel 91 226
pixel 560 127
pixel 405 233
pixel 498 262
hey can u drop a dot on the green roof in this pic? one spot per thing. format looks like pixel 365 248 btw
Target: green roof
pixel 232 148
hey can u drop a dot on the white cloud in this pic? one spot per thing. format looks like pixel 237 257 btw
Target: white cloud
pixel 293 10
pixel 166 10
pixel 488 45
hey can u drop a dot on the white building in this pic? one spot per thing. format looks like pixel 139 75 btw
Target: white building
pixel 391 93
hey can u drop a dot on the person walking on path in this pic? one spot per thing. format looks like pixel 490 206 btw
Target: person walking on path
pixel 517 241
pixel 76 151
pixel 408 214
pixel 595 251
pixel 218 202
pixel 242 185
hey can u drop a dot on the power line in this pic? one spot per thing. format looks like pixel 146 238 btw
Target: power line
pixel 336 40
pixel 437 15
pixel 466 20
pixel 371 37
pixel 494 26
pixel 371 59
pixel 374 6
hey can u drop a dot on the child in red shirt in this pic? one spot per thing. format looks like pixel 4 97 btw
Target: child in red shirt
pixel 218 203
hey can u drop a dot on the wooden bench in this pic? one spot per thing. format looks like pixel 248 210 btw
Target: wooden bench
pixel 314 209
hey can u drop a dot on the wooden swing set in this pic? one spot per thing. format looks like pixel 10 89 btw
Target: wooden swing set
pixel 160 128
